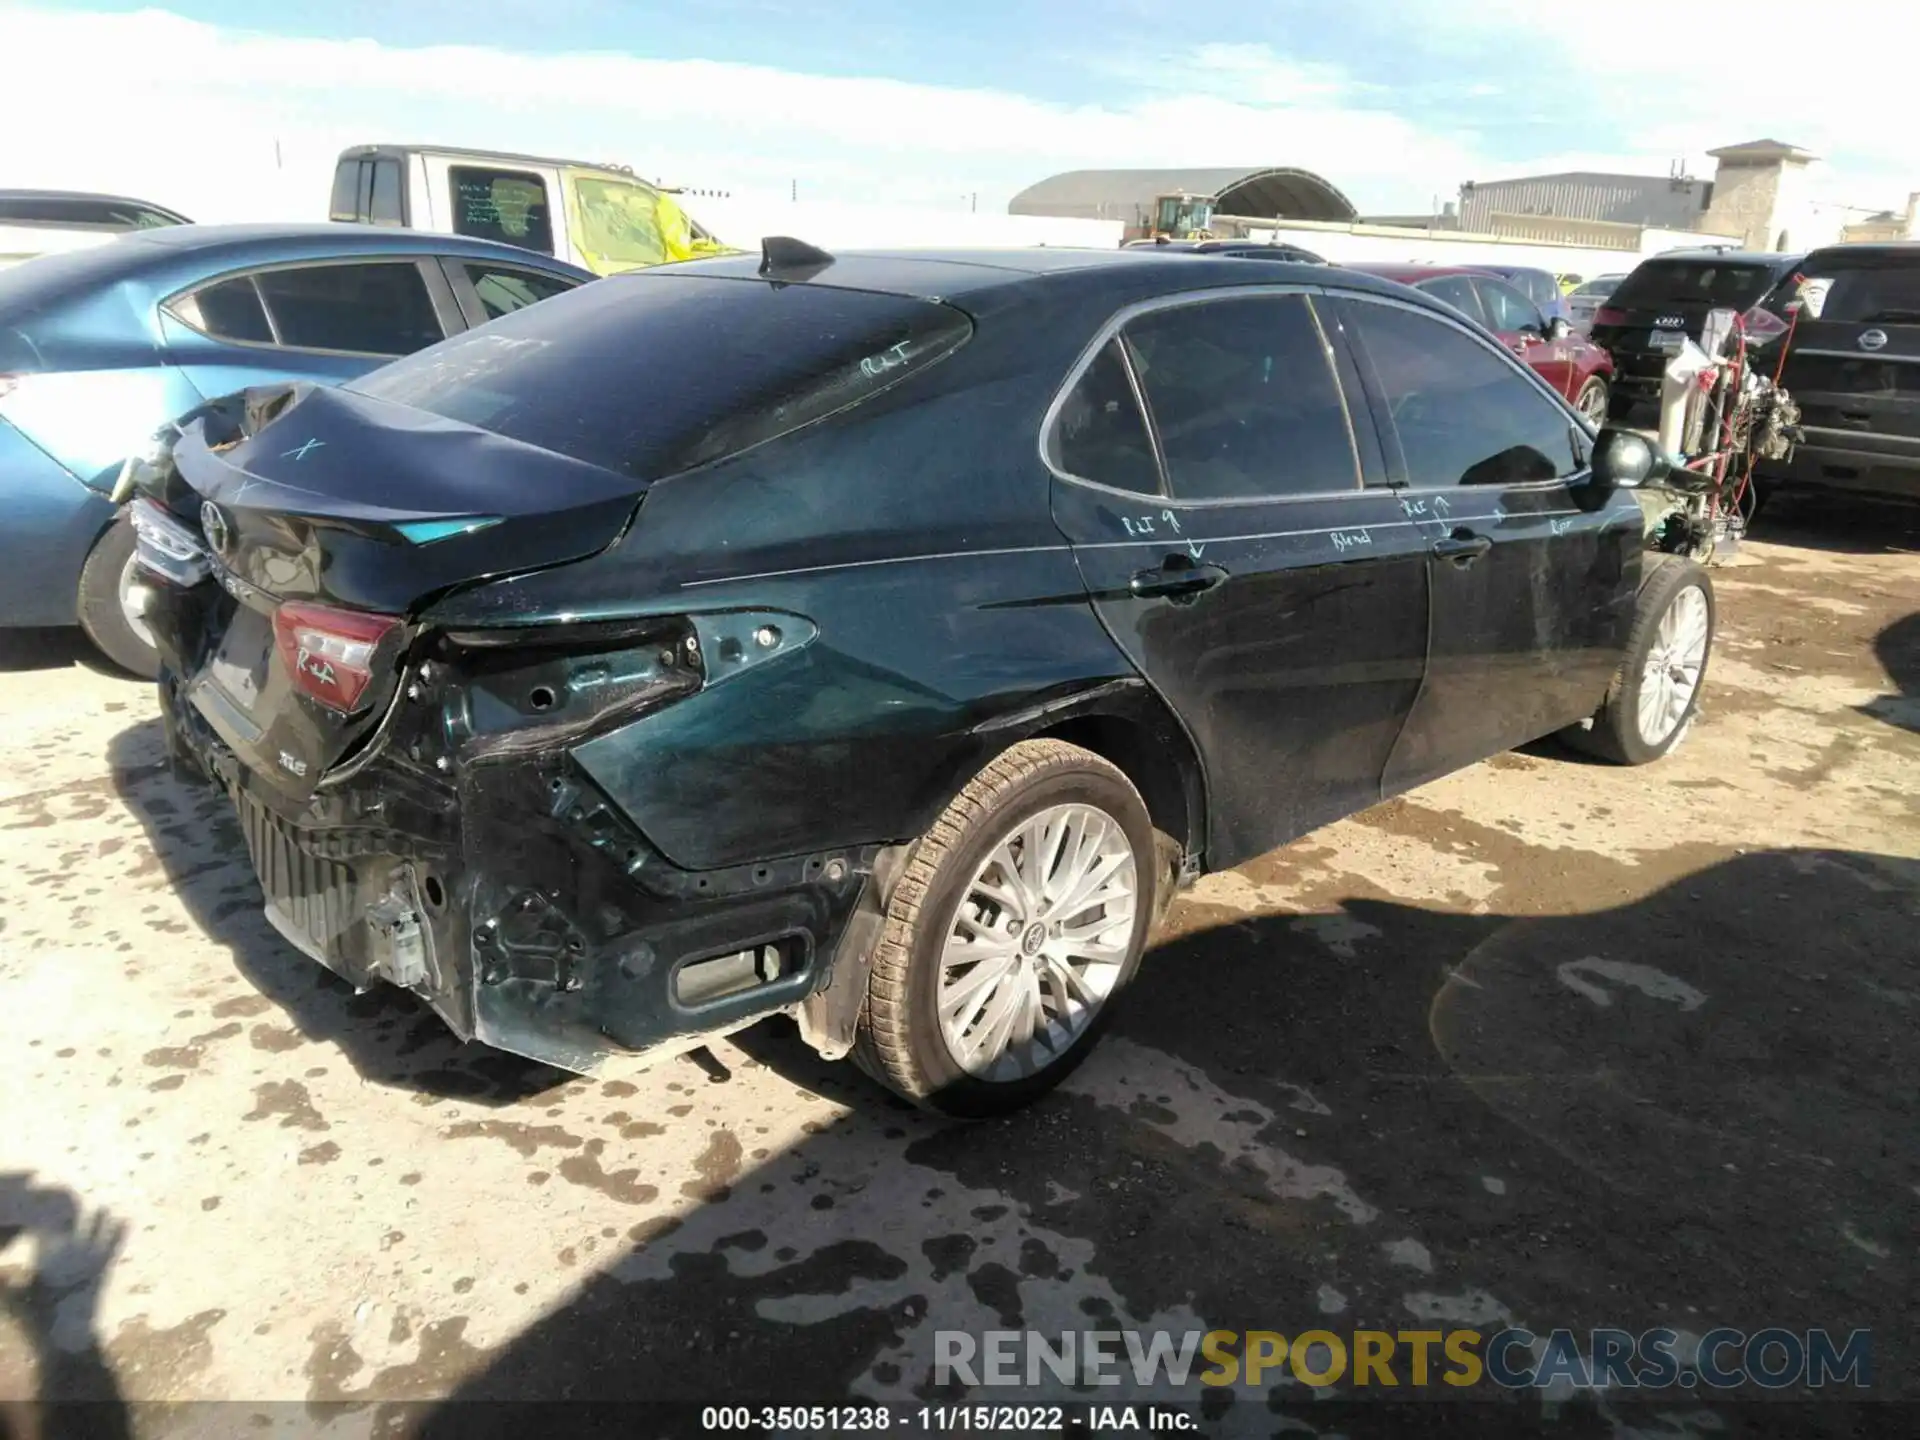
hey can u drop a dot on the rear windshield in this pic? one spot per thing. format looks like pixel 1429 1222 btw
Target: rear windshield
pixel 1880 292
pixel 1599 289
pixel 1696 282
pixel 650 374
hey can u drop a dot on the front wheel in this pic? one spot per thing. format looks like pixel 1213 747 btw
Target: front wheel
pixel 1019 918
pixel 1655 694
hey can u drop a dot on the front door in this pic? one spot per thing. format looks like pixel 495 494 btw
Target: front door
pixel 1522 328
pixel 1211 479
pixel 1533 568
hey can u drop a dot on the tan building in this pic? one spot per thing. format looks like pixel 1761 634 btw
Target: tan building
pixel 1760 196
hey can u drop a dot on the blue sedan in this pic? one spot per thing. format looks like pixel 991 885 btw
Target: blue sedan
pixel 99 348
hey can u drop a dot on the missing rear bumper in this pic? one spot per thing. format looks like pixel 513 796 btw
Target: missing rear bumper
pixel 510 894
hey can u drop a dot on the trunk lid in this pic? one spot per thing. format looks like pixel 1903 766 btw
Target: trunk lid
pixel 1666 301
pixel 330 499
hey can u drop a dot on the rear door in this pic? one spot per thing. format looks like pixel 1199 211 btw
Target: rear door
pixel 1532 570
pixel 1211 457
pixel 1854 366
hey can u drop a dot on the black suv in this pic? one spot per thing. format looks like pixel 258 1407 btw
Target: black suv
pixel 1854 368
pixel 1666 300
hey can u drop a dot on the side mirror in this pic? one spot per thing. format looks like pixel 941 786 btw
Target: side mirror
pixel 1558 328
pixel 1626 460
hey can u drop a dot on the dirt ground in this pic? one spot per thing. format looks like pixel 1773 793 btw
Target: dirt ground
pixel 1546 1042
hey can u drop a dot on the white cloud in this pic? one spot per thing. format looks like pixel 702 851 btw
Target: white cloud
pixel 228 124
pixel 177 109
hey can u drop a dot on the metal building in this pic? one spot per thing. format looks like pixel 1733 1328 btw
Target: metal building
pixel 1662 202
pixel 1269 193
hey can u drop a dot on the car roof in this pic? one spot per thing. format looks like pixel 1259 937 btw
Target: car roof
pixel 179 255
pixel 346 237
pixel 16 193
pixel 368 151
pixel 984 278
pixel 1868 250
pixel 1413 274
pixel 1710 255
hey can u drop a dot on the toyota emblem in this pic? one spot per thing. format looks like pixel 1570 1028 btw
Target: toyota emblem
pixel 1873 340
pixel 215 526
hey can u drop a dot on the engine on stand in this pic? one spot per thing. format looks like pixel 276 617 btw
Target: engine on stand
pixel 1720 415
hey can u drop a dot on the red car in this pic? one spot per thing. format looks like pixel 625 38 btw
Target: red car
pixel 1577 368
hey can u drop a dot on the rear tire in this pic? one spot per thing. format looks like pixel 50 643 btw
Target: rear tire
pixel 1655 694
pixel 930 1027
pixel 108 588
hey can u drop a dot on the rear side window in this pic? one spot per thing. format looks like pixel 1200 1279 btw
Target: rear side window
pixel 1464 414
pixel 229 310
pixel 373 308
pixel 1882 294
pixel 651 373
pixel 502 289
pixel 1710 283
pixel 1100 434
pixel 505 205
pixel 1244 399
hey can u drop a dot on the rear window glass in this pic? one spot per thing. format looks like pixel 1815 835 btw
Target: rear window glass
pixel 652 373
pixel 1709 283
pixel 1883 294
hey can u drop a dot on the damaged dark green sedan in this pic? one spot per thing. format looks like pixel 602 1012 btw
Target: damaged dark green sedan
pixel 879 639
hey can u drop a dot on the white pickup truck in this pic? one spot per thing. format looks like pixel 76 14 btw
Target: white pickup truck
pixel 601 217
pixel 45 222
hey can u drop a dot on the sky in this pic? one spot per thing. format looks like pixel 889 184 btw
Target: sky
pixel 226 109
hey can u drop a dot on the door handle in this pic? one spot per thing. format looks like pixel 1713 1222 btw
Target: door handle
pixel 1179 577
pixel 1463 547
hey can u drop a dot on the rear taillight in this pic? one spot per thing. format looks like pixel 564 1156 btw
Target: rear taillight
pixel 165 546
pixel 329 653
pixel 1607 315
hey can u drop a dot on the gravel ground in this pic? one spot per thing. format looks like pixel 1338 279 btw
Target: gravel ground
pixel 1546 1041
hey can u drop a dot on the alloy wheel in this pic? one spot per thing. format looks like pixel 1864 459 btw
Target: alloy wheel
pixel 1593 403
pixel 1038 942
pixel 1671 676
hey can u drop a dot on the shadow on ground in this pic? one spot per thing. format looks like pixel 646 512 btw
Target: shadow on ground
pixel 55 1257
pixel 1694 1109
pixel 389 1037
pixel 22 650
pixel 1834 521
pixel 1898 649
